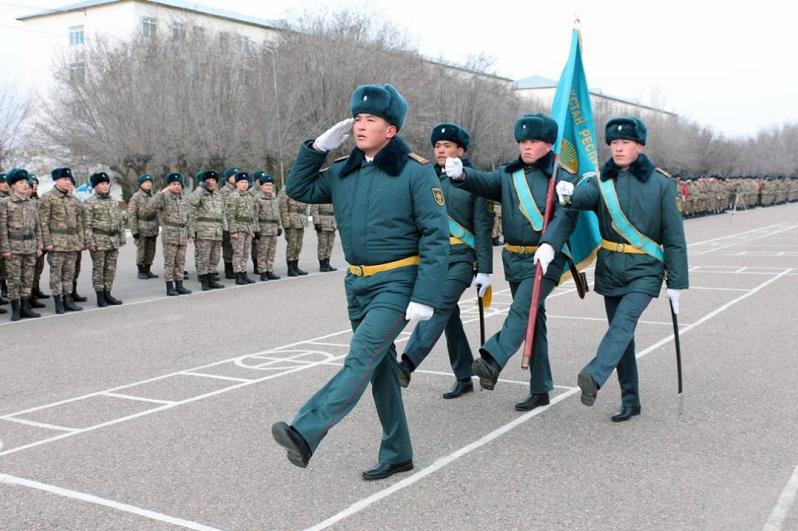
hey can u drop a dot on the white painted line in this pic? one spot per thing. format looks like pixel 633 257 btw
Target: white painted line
pixel 138 398
pixel 712 250
pixel 783 505
pixel 40 424
pixel 736 235
pixel 216 376
pixel 328 344
pixel 604 319
pixel 96 500
pixel 717 289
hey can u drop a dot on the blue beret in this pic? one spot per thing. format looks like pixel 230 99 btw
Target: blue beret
pixel 229 172
pixel 626 128
pixel 203 176
pixel 62 173
pixel 16 175
pixel 32 178
pixel 2 177
pixel 263 177
pixel 100 177
pixel 536 126
pixel 145 177
pixel 384 101
pixel 452 133
pixel 242 176
pixel 174 178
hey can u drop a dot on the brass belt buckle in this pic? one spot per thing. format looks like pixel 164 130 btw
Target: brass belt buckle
pixel 619 247
pixel 360 271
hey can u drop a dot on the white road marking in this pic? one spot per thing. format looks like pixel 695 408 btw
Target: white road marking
pixel 216 376
pixel 783 505
pixel 111 504
pixel 746 240
pixel 39 424
pixel 138 398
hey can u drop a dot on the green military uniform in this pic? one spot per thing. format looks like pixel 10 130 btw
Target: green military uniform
pixel 173 213
pixel 324 223
pixel 143 228
pixel 294 216
pixel 240 212
pixel 207 224
pixel 269 227
pixel 37 273
pixel 3 274
pixel 104 236
pixel 226 188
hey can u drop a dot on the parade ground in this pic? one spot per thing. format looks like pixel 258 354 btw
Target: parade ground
pixel 156 414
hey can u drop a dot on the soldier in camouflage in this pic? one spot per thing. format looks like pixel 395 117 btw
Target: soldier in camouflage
pixel 227 248
pixel 206 225
pixel 37 273
pixel 62 233
pixel 324 223
pixel 143 227
pixel 20 242
pixel 3 275
pixel 268 226
pixel 169 205
pixel 240 212
pixel 294 217
pixel 104 236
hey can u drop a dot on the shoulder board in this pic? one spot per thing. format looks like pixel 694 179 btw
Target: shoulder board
pixel 339 159
pixel 666 174
pixel 566 169
pixel 418 158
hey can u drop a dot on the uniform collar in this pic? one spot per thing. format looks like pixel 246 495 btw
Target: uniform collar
pixel 641 168
pixel 391 159
pixel 544 164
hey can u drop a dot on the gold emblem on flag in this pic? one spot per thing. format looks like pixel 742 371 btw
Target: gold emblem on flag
pixel 568 157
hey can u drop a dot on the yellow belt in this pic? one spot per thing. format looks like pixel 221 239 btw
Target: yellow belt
pixel 620 247
pixel 521 249
pixel 368 270
pixel 454 240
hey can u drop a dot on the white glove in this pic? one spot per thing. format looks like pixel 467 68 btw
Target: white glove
pixel 482 281
pixel 333 137
pixel 418 312
pixel 454 168
pixel 673 296
pixel 564 192
pixel 544 255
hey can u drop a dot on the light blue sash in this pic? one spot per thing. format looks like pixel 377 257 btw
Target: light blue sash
pixel 622 226
pixel 458 231
pixel 526 202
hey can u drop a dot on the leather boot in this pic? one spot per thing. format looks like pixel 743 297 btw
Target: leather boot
pixel 110 299
pixel 296 268
pixel 170 288
pixel 59 303
pixel 149 273
pixel 228 270
pixel 323 266
pixel 15 316
pixel 205 282
pixel 38 293
pixel 271 276
pixel 101 299
pixel 75 296
pixel 291 268
pixel 240 279
pixel 329 267
pixel 212 282
pixel 143 272
pixel 180 289
pixel 34 303
pixel 246 278
pixel 69 304
pixel 25 309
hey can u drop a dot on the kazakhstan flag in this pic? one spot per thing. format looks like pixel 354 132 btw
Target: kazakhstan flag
pixel 577 146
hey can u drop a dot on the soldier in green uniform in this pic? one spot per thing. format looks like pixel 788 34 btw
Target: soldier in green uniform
pixel 522 187
pixel 642 239
pixel 170 206
pixel 3 283
pixel 37 292
pixel 227 247
pixel 324 223
pixel 268 225
pixel 20 242
pixel 239 210
pixel 104 236
pixel 207 225
pixel 470 240
pixel 294 216
pixel 398 248
pixel 143 226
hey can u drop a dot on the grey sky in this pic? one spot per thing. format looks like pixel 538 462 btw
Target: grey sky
pixel 729 67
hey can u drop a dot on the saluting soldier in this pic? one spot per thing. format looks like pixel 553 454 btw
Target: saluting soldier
pixel 62 234
pixel 324 223
pixel 3 274
pixel 268 225
pixel 294 216
pixel 470 251
pixel 401 239
pixel 642 243
pixel 37 273
pixel 20 242
pixel 206 225
pixel 239 210
pixel 522 187
pixel 228 187
pixel 104 236
pixel 143 226
pixel 172 210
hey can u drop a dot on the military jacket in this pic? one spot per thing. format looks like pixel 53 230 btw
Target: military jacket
pixel 268 214
pixel 61 216
pixel 240 210
pixel 293 214
pixel 20 229
pixel 139 221
pixel 103 223
pixel 323 215
pixel 207 220
pixel 648 199
pixel 173 214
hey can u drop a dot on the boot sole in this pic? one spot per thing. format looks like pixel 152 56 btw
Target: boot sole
pixel 588 387
pixel 280 434
pixel 486 380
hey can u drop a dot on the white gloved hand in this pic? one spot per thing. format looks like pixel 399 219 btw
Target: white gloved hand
pixel 454 168
pixel 482 281
pixel 544 255
pixel 418 312
pixel 564 192
pixel 673 296
pixel 333 137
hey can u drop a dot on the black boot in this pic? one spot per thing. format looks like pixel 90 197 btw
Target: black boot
pixel 180 289
pixel 59 303
pixel 110 299
pixel 271 276
pixel 101 303
pixel 323 266
pixel 212 282
pixel 170 288
pixel 228 270
pixel 25 309
pixel 246 278
pixel 296 268
pixel 292 268
pixel 69 304
pixel 149 273
pixel 263 276
pixel 34 303
pixel 329 267
pixel 215 276
pixel 15 316
pixel 143 272
pixel 75 296
pixel 37 292
pixel 240 279
pixel 204 281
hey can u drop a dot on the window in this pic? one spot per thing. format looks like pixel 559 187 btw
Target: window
pixel 75 35
pixel 147 26
pixel 178 31
pixel 77 72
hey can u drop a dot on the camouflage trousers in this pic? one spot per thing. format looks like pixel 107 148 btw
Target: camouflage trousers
pixel 293 243
pixel 227 248
pixel 207 254
pixel 174 261
pixel 37 272
pixel 497 226
pixel 241 248
pixel 326 241
pixel 19 269
pixel 103 269
pixel 62 271
pixel 266 248
pixel 145 249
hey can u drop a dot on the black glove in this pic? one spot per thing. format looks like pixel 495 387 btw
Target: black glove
pixel 136 236
pixel 257 235
pixel 318 227
pixel 279 231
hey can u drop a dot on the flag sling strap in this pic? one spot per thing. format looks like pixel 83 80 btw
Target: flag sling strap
pixel 458 231
pixel 622 225
pixel 526 202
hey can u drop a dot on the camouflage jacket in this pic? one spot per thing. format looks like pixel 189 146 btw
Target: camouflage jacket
pixel 240 209
pixel 323 215
pixel 61 216
pixel 20 230
pixel 268 214
pixel 293 214
pixel 207 219
pixel 103 223
pixel 138 221
pixel 173 214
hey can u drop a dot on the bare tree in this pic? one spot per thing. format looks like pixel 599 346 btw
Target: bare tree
pixel 15 109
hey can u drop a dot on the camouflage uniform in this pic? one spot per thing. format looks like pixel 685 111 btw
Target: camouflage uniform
pixel 3 272
pixel 269 226
pixel 227 248
pixel 241 213
pixel 20 235
pixel 497 222
pixel 143 227
pixel 62 229
pixel 173 214
pixel 37 272
pixel 324 223
pixel 207 224
pixel 294 217
pixel 105 235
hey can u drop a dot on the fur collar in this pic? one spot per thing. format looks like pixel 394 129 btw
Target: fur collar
pixel 641 168
pixel 544 164
pixel 391 159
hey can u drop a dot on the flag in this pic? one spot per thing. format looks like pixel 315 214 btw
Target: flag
pixel 577 146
